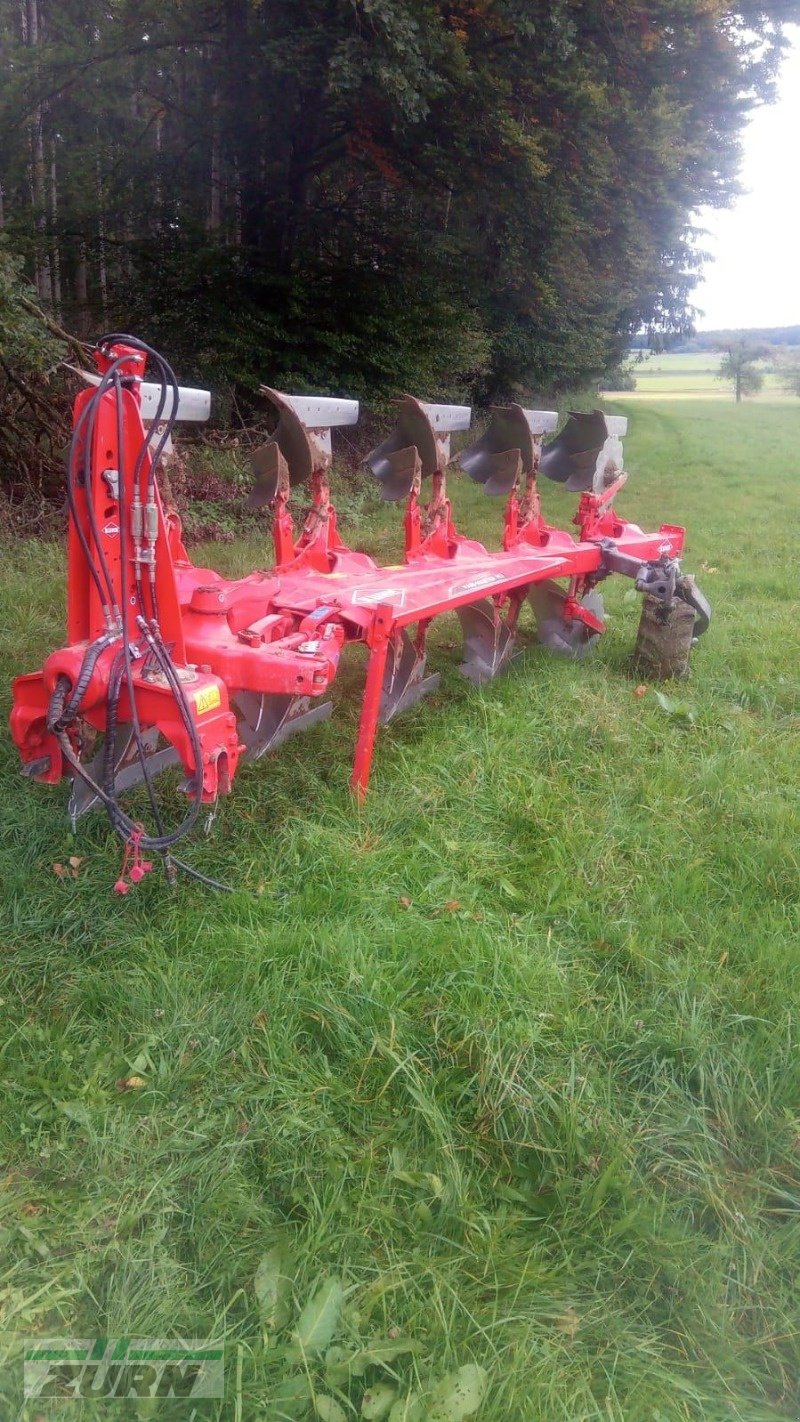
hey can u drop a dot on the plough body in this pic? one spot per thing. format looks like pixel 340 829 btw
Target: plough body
pixel 170 664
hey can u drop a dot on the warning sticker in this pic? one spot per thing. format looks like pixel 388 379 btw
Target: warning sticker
pixel 208 699
pixel 367 597
pixel 485 580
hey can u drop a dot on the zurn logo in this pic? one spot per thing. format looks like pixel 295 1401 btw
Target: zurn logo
pixel 123 1367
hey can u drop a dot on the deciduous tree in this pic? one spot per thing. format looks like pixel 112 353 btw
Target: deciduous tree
pixel 739 367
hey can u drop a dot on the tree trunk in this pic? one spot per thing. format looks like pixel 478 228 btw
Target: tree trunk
pixel 237 206
pixel 215 195
pixel 55 252
pixel 242 120
pixel 159 194
pixel 82 292
pixel 44 283
pixel 102 266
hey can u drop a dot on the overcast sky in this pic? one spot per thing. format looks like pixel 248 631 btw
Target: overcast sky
pixel 754 277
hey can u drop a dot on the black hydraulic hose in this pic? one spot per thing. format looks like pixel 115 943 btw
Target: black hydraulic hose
pixel 93 406
pixel 168 378
pixel 111 718
pixel 112 706
pixel 62 712
pixel 120 821
pixel 123 667
pixel 86 425
pixel 201 878
pixel 123 521
pixel 109 768
pixel 155 641
pixel 157 647
pixel 76 522
pixel 152 634
pixel 91 657
pixel 55 706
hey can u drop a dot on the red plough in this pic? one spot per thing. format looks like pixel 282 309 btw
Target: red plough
pixel 169 664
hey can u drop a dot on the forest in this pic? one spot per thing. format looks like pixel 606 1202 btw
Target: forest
pixel 463 197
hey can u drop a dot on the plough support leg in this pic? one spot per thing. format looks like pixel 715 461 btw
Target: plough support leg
pixel 370 711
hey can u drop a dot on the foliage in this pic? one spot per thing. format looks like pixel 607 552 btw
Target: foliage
pixel 25 343
pixel 772 336
pixel 483 196
pixel 789 372
pixel 208 484
pixel 33 407
pixel 511 1050
pixel 328 327
pixel 620 377
pixel 738 366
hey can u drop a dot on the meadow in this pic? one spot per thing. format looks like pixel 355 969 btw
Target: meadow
pixel 693 376
pixel 497 1073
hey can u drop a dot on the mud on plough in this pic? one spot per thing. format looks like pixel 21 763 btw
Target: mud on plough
pixel 172 665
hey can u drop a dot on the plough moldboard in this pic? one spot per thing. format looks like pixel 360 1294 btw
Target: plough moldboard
pixel 168 664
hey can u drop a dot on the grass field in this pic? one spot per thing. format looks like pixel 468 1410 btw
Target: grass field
pixel 511 1052
pixel 693 376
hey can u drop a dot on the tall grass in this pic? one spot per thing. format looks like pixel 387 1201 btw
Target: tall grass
pixel 512 1050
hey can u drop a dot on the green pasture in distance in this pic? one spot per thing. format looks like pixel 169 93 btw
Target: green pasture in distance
pixel 673 376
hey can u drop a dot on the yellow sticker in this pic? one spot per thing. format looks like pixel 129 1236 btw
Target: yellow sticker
pixel 208 699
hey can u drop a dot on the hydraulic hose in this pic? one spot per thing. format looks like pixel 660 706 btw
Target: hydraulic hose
pixel 66 699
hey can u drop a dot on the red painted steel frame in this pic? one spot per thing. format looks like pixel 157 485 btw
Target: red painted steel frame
pixel 281 632
pixel 369 604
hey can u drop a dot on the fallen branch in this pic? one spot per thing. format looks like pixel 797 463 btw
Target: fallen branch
pixel 79 348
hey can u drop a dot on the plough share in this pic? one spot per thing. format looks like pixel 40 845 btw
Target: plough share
pixel 168 664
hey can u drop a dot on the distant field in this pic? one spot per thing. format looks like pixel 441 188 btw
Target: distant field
pixel 673 376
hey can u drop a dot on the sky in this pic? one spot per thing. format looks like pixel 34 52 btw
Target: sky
pixel 754 278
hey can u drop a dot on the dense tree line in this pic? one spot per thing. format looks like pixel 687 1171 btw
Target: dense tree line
pixel 452 195
pixel 717 340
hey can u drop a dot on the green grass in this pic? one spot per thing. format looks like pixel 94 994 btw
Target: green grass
pixel 512 1050
pixel 693 375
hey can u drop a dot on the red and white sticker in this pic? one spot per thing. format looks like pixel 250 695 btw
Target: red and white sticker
pixel 370 597
pixel 484 580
